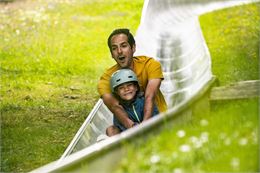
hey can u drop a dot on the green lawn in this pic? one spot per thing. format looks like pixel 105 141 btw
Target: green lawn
pixel 52 54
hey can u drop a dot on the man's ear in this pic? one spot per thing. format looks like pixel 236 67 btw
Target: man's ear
pixel 134 48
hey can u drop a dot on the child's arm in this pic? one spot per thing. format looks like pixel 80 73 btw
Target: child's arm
pixel 113 105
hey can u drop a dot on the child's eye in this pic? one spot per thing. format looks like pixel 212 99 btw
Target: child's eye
pixel 120 87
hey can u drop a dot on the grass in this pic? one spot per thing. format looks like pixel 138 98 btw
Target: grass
pixel 227 139
pixel 233 40
pixel 52 54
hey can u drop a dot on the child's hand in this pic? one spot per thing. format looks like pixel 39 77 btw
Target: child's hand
pixel 135 123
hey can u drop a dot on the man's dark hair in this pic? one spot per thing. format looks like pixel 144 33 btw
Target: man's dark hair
pixel 125 31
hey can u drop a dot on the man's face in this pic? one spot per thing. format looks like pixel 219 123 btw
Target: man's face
pixel 121 51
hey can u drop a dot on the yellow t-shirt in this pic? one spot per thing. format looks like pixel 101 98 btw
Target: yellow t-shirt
pixel 145 68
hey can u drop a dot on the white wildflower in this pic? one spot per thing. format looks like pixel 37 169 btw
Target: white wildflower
pixel 204 122
pixel 185 148
pixel 2 27
pixel 22 18
pixel 194 139
pixel 227 141
pixel 17 32
pixel 155 159
pixel 235 162
pixel 23 24
pixel 243 141
pixel 177 170
pixel 181 133
pixel 197 143
pixel 42 9
pixel 42 107
pixel 204 137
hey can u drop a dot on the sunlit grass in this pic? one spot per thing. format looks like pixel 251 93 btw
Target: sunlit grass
pixel 227 139
pixel 234 46
pixel 52 53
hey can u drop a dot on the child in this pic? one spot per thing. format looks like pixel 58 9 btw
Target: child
pixel 125 87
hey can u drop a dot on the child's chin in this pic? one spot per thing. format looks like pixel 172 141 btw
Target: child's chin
pixel 128 98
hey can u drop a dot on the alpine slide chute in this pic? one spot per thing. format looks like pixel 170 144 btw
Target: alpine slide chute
pixel 170 32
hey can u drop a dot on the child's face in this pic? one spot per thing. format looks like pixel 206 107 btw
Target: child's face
pixel 127 91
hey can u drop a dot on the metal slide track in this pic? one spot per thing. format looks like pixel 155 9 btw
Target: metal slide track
pixel 170 32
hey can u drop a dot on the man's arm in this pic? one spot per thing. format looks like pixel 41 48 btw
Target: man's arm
pixel 150 93
pixel 113 105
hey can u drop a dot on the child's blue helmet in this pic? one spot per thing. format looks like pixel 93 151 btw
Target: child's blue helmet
pixel 122 76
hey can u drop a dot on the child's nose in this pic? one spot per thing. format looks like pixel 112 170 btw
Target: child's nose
pixel 126 88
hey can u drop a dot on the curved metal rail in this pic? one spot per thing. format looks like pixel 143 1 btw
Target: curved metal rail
pixel 170 32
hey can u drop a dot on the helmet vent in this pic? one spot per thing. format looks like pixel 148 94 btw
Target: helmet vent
pixel 130 76
pixel 118 80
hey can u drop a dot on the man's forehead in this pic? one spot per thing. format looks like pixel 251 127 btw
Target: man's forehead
pixel 119 38
pixel 119 43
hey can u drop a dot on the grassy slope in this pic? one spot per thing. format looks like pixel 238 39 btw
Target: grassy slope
pixel 43 63
pixel 52 54
pixel 227 140
pixel 233 40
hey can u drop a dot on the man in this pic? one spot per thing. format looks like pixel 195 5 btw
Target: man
pixel 122 47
